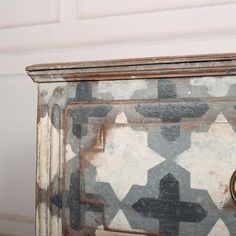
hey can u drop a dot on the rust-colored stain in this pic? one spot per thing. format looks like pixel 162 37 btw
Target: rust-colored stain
pixel 90 201
pixel 99 145
pixel 225 186
pixel 212 172
pixel 107 229
pixel 230 205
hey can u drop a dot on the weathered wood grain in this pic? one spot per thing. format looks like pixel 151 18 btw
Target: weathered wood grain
pixel 162 67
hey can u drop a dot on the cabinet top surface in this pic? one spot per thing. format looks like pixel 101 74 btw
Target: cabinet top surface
pixel 136 68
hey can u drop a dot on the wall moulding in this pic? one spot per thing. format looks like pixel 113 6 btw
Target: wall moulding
pixel 87 9
pixel 17 218
pixel 29 13
pixel 16 225
pixel 194 24
pixel 12 65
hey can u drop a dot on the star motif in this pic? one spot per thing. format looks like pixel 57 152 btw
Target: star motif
pixel 125 160
pixel 211 160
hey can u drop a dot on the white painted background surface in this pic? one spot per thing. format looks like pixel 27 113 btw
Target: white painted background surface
pixel 41 31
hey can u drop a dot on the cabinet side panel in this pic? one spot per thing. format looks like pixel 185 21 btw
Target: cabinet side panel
pixel 49 161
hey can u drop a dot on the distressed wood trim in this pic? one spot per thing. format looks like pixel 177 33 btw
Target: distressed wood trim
pixel 134 61
pixel 140 68
pixel 49 169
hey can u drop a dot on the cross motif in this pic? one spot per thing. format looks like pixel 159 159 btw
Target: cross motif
pixel 171 112
pixel 169 209
pixel 78 205
pixel 81 114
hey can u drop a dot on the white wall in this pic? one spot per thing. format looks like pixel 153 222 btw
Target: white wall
pixel 40 31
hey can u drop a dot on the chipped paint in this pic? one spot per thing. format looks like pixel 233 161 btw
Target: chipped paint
pixel 43 151
pixel 49 90
pixel 42 213
pixel 55 222
pixel 217 87
pixel 55 151
pixel 127 152
pixel 210 160
pixel 121 89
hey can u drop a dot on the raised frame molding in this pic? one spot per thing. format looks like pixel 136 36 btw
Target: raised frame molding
pixel 87 9
pixel 203 23
pixel 16 224
pixel 41 13
pixel 17 218
pixel 119 37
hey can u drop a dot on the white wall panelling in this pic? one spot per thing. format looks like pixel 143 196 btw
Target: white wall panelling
pixel 28 12
pixel 17 152
pixel 90 8
pixel 15 63
pixel 161 26
pixel 16 228
pixel 11 224
pixel 165 30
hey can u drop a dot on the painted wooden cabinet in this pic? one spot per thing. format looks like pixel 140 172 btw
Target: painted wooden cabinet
pixel 137 147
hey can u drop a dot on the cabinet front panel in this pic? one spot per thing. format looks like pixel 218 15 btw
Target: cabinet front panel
pixel 158 167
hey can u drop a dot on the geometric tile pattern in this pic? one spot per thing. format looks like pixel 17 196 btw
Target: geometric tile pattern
pixel 176 186
pixel 168 208
pixel 219 229
pixel 137 154
pixel 218 145
pixel 151 163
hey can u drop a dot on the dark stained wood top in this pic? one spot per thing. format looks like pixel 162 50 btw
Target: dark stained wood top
pixel 137 68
